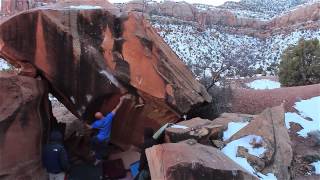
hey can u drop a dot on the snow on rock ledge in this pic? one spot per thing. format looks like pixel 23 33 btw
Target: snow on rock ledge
pixel 317 167
pixel 233 128
pixel 307 115
pixel 231 150
pixel 262 146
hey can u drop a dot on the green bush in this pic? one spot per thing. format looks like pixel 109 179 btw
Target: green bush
pixel 300 64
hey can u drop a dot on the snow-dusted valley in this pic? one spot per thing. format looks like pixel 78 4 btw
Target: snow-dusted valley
pixel 211 47
pixel 263 9
pixel 249 36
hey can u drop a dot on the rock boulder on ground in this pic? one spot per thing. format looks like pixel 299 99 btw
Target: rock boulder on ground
pixel 270 126
pixel 24 119
pixel 90 53
pixel 190 160
pixel 199 129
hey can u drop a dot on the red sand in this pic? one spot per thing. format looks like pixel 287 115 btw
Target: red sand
pixel 255 101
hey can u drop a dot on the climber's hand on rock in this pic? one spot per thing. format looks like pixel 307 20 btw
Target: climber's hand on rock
pixel 87 126
pixel 127 96
pixel 123 90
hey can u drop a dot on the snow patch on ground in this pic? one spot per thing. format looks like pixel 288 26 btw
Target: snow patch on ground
pixel 233 128
pixel 85 7
pixel 231 150
pixel 3 65
pixel 263 84
pixel 317 167
pixel 308 116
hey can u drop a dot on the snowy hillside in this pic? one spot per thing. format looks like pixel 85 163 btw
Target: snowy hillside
pixel 211 47
pixel 262 9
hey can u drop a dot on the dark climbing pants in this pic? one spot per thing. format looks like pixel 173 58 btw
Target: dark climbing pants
pixel 99 147
pixel 144 175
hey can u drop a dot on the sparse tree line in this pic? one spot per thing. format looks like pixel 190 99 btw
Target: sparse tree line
pixel 300 65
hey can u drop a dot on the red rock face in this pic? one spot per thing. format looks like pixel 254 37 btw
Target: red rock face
pixel 12 6
pixel 90 55
pixel 190 160
pixel 23 116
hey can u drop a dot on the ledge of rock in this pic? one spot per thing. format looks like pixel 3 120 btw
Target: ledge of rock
pixel 24 117
pixel 90 54
pixel 204 130
pixel 192 160
pixel 199 129
pixel 270 126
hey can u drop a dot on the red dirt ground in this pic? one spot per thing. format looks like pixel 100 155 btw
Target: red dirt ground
pixel 251 101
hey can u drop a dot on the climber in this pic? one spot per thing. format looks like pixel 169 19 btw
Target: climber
pixel 149 141
pixel 55 158
pixel 103 124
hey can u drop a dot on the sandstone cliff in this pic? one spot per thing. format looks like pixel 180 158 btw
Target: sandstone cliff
pixel 90 53
pixel 304 15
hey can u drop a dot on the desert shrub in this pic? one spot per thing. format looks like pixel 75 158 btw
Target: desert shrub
pixel 300 64
pixel 221 103
pixel 259 70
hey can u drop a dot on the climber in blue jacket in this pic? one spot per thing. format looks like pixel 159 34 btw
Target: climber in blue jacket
pixel 99 143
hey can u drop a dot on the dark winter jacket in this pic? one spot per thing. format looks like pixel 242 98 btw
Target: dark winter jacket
pixel 148 143
pixel 54 155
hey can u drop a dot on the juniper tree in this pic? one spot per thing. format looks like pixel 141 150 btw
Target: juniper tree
pixel 300 64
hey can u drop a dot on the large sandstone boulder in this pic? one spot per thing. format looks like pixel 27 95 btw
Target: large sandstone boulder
pixel 24 117
pixel 90 53
pixel 190 160
pixel 203 130
pixel 267 130
pixel 269 125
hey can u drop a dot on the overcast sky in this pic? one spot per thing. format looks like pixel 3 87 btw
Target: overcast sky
pixel 211 2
